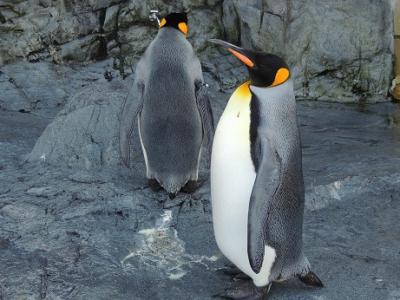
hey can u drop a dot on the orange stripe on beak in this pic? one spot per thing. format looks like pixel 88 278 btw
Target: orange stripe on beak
pixel 242 58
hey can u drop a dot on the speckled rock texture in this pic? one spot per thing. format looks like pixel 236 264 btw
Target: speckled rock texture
pixel 338 50
pixel 76 233
pixel 76 224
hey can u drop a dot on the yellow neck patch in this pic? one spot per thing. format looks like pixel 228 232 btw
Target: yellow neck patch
pixel 163 22
pixel 183 27
pixel 281 76
pixel 243 91
pixel 240 99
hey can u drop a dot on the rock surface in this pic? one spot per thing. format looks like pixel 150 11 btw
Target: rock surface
pixel 76 224
pixel 85 132
pixel 338 51
pixel 95 234
pixel 44 87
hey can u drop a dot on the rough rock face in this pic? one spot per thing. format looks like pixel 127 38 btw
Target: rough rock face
pixel 85 133
pixel 43 86
pixel 339 51
pixel 77 234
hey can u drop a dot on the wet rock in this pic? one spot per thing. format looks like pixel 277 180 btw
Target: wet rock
pixel 80 50
pixel 113 232
pixel 333 51
pixel 12 98
pixel 85 132
pixel 83 177
pixel 49 85
pixel 111 18
pixel 327 59
pixel 46 191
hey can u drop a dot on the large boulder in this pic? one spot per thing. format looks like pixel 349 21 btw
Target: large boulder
pixel 45 86
pixel 338 50
pixel 85 133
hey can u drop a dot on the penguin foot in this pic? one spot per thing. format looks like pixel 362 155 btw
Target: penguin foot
pixel 235 273
pixel 245 292
pixel 189 187
pixel 172 195
pixel 154 185
pixel 311 279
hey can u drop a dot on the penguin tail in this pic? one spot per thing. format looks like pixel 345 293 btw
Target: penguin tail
pixel 171 184
pixel 311 279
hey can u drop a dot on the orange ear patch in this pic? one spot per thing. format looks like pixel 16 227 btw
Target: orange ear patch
pixel 163 22
pixel 281 76
pixel 183 27
pixel 247 61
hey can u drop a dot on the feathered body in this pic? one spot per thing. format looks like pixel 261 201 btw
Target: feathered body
pixel 172 111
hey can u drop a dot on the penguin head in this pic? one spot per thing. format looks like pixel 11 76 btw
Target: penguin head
pixel 177 21
pixel 265 69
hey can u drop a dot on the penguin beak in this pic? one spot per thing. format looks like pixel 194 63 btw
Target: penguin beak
pixel 242 54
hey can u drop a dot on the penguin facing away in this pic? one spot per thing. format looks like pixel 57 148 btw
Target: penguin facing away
pixel 169 104
pixel 257 187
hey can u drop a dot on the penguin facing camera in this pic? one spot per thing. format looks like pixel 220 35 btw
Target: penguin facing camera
pixel 169 104
pixel 257 187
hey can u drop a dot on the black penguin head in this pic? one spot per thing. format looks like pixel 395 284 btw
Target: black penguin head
pixel 177 21
pixel 265 70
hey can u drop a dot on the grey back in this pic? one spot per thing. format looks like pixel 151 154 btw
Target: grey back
pixel 278 121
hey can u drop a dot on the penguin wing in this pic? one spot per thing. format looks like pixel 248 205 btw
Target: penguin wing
pixel 132 107
pixel 265 186
pixel 207 120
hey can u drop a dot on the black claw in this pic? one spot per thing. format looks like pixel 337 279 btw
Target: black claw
pixel 172 195
pixel 311 279
pixel 230 271
pixel 154 185
pixel 245 292
pixel 190 187
pixel 234 272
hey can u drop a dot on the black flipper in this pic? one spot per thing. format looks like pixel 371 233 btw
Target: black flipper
pixel 207 120
pixel 132 107
pixel 311 279
pixel 264 189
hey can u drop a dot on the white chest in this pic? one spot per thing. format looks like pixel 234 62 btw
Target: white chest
pixel 232 180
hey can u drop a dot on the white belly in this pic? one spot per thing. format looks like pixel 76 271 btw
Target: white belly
pixel 232 179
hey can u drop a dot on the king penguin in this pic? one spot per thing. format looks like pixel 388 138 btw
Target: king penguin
pixel 257 187
pixel 169 104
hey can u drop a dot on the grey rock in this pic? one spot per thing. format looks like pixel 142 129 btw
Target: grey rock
pixel 85 132
pixel 334 52
pixel 80 50
pixel 106 234
pixel 45 191
pixel 328 59
pixel 44 86
pixel 111 18
pixel 12 97
pixel 201 31
pixel 230 21
pixel 84 177
pixel 43 89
